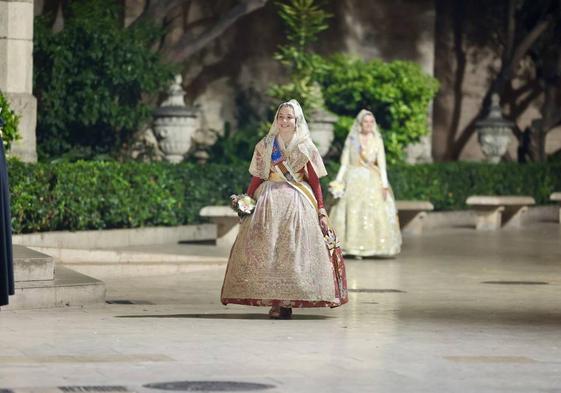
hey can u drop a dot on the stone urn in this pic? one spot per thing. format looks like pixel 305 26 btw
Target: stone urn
pixel 322 125
pixel 494 132
pixel 175 124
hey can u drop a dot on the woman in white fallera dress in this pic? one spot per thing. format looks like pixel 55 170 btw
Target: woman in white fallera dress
pixel 365 217
pixel 280 258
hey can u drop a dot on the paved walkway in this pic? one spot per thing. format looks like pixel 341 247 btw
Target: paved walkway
pixel 424 322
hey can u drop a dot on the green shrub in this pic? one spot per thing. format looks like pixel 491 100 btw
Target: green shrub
pixel 9 132
pixel 91 77
pixel 303 21
pixel 398 93
pixel 102 195
pixel 237 147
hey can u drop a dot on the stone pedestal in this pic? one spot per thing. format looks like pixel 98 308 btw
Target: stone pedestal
pixel 322 125
pixel 489 218
pixel 494 132
pixel 175 124
pixel 16 71
pixel 512 216
pixel 412 215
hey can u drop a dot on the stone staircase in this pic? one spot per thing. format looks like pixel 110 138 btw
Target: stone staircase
pixel 41 284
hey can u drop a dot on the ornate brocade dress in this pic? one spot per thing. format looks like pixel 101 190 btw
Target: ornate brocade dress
pixel 367 224
pixel 280 256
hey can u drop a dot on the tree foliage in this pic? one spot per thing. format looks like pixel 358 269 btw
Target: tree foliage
pixel 91 79
pixel 398 93
pixel 9 131
pixel 303 20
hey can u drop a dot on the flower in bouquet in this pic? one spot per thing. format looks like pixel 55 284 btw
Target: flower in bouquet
pixel 337 189
pixel 243 204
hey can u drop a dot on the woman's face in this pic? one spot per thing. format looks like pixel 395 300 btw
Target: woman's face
pixel 286 120
pixel 367 124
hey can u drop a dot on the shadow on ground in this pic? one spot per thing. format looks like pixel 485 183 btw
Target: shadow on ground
pixel 474 316
pixel 223 316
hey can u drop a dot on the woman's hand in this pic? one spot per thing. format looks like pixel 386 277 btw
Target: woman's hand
pixel 323 222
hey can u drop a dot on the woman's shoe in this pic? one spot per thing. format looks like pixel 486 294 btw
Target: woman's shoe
pixel 285 313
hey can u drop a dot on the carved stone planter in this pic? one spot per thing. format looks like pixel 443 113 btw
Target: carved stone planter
pixel 322 125
pixel 175 124
pixel 494 133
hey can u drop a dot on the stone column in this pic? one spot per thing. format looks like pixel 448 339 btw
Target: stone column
pixel 16 71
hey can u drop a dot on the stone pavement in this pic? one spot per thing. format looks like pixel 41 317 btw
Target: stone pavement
pixel 458 311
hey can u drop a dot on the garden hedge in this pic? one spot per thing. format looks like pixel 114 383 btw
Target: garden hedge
pixel 101 195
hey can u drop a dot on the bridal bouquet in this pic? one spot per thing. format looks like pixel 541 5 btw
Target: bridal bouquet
pixel 242 204
pixel 337 189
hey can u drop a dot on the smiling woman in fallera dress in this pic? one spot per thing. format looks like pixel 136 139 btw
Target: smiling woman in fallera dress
pixel 280 259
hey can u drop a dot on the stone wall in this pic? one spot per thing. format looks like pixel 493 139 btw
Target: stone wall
pixel 229 79
pixel 465 72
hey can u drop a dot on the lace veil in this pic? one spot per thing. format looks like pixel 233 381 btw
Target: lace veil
pixel 300 150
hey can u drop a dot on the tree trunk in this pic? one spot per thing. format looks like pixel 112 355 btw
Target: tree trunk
pixel 446 70
pixel 550 111
pixel 191 43
pixel 504 78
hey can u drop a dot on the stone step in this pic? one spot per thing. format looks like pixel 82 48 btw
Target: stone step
pixel 144 260
pixel 109 270
pixel 69 288
pixel 30 265
pixel 110 238
pixel 67 256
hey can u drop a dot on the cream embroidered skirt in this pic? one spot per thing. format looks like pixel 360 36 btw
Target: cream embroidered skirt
pixel 366 224
pixel 280 256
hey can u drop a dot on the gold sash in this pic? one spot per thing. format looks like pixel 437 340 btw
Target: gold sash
pixel 278 175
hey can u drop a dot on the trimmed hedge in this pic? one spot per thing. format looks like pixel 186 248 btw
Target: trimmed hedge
pixel 102 195
pixel 448 185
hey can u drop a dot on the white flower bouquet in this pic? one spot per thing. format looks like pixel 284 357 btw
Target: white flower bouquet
pixel 242 204
pixel 337 189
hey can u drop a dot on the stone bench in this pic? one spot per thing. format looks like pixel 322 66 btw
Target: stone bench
pixel 556 196
pixel 496 211
pixel 412 214
pixel 227 223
